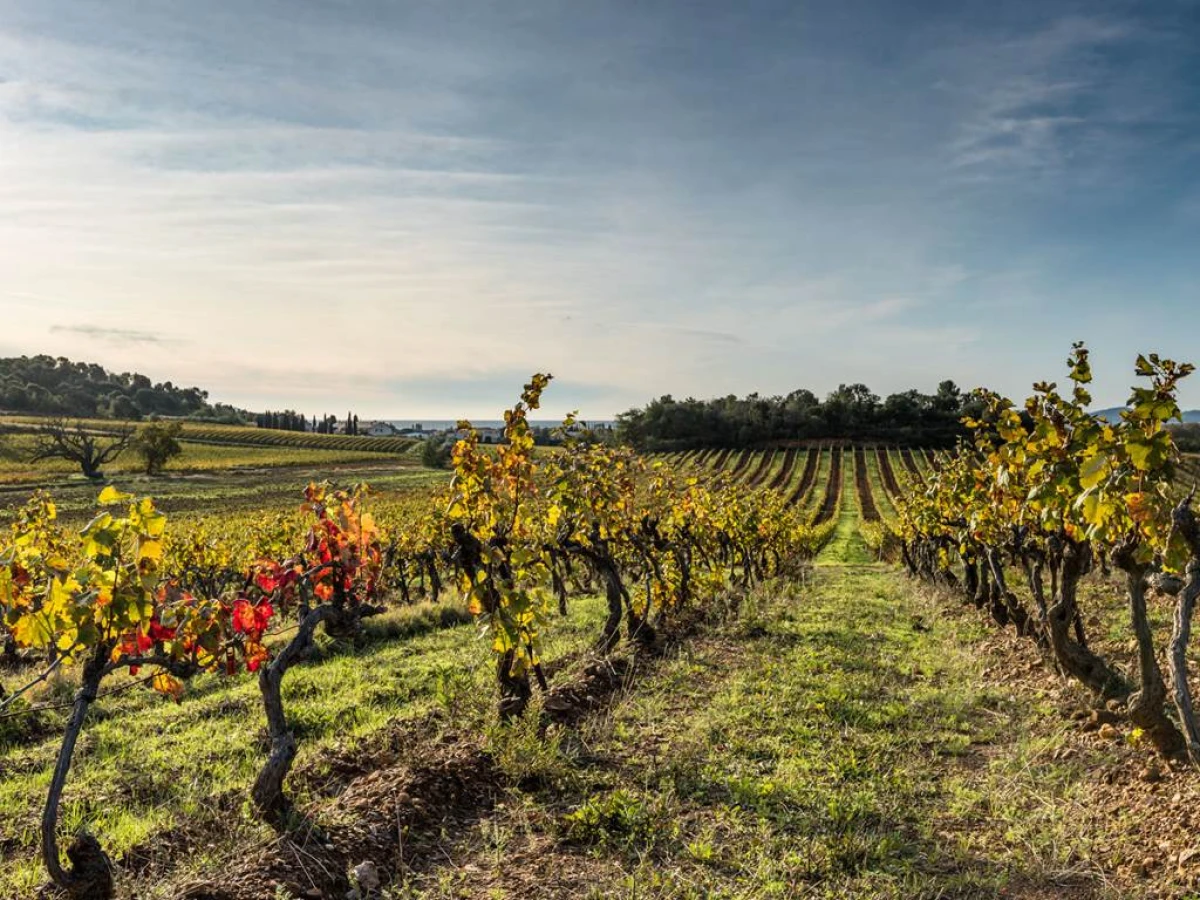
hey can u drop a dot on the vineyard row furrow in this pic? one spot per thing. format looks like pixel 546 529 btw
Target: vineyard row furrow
pixel 807 478
pixel 721 460
pixel 885 472
pixel 910 463
pixel 833 489
pixel 742 464
pixel 760 471
pixel 870 512
pixel 783 476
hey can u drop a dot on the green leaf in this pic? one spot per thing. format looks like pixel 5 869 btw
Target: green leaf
pixel 1141 454
pixel 111 495
pixel 1093 470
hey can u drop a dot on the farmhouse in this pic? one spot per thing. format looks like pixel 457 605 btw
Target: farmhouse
pixel 378 429
pixel 490 435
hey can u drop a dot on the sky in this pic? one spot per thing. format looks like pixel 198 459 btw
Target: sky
pixel 407 207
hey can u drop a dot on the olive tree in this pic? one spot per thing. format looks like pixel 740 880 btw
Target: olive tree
pixel 157 443
pixel 72 441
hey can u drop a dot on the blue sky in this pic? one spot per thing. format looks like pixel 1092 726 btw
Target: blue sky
pixel 406 206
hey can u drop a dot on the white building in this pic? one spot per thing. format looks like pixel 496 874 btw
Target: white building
pixel 378 429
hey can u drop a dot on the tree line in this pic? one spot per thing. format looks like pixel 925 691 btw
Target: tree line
pixel 852 412
pixel 290 420
pixel 48 385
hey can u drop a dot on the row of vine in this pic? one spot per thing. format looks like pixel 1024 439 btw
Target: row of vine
pixel 516 534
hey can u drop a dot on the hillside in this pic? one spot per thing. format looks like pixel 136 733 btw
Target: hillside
pixel 57 386
pixel 1113 413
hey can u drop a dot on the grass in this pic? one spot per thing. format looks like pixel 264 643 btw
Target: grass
pixel 147 768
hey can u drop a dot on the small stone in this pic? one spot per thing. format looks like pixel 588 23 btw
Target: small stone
pixel 1108 733
pixel 366 874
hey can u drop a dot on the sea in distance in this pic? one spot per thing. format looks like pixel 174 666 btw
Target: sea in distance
pixel 444 424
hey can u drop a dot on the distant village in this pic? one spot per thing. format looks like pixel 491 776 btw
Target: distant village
pixel 289 420
pixel 380 428
pixel 418 431
pixel 487 434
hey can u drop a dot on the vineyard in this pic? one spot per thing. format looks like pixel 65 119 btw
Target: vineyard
pixel 207 450
pixel 594 673
pixel 517 539
pixel 248 436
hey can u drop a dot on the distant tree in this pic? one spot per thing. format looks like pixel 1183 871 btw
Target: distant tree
pixel 436 452
pixel 354 424
pixel 1187 437
pixel 90 450
pixel 122 407
pixel 157 443
pixel 146 399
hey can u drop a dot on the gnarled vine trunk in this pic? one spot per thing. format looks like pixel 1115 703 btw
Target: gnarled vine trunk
pixel 90 875
pixel 268 796
pixel 1034 566
pixel 1013 607
pixel 614 593
pixel 1146 704
pixel 983 589
pixel 1073 657
pixel 970 579
pixel 1185 604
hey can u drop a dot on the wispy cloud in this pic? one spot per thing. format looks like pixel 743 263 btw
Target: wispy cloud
pixel 114 335
pixel 1061 100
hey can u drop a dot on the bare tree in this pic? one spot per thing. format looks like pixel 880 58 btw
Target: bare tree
pixel 58 439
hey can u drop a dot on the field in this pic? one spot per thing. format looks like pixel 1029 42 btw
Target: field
pixel 206 449
pixel 248 436
pixel 843 733
pixel 221 467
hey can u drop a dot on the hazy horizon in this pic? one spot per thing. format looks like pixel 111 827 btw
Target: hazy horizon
pixel 403 205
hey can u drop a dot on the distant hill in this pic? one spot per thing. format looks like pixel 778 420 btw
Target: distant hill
pixel 51 385
pixel 1113 414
